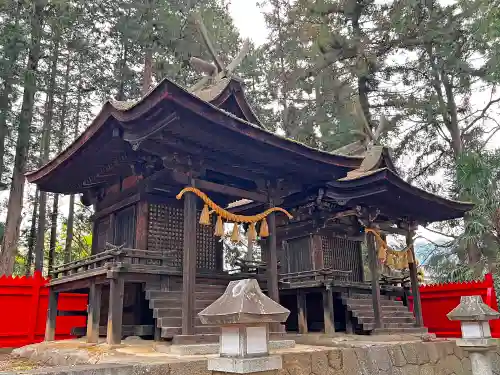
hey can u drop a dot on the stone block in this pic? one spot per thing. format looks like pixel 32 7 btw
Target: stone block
pixel 379 359
pixel 244 365
pixel 432 350
pixel 297 363
pixel 422 353
pixel 191 368
pixel 396 355
pixel 335 359
pixel 410 369
pixel 460 352
pixel 410 353
pixel 466 365
pixel 319 363
pixel 350 363
pixel 427 369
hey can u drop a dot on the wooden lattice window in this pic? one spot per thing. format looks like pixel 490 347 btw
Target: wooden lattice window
pixel 206 245
pixel 165 233
pixel 343 254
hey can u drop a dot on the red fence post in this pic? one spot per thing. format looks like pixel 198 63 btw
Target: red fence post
pixel 38 283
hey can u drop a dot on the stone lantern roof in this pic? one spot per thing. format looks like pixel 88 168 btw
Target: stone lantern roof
pixel 243 303
pixel 472 308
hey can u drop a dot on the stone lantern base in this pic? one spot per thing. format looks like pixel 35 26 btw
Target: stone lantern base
pixel 245 365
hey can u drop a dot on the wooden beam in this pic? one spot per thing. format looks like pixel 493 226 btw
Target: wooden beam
pixel 415 291
pixel 189 264
pixel 301 311
pixel 204 185
pixel 170 145
pixel 115 310
pixel 50 328
pixel 231 191
pixel 372 257
pixel 328 311
pixel 94 309
pixel 127 201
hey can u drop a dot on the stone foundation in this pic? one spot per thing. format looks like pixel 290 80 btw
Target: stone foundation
pixel 352 358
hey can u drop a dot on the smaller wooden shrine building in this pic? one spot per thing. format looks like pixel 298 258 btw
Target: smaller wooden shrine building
pixel 153 265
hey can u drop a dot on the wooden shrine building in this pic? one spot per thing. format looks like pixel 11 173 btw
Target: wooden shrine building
pixel 154 266
pixel 133 160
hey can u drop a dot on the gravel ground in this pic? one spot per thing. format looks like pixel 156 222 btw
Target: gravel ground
pixel 8 363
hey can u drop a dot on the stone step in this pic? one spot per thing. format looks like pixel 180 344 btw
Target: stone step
pixel 371 326
pixel 201 296
pixel 386 319
pixel 363 296
pixel 175 322
pixel 207 338
pixel 170 332
pixel 170 312
pixel 387 314
pixel 396 309
pixel 165 303
pixel 368 302
pixel 391 331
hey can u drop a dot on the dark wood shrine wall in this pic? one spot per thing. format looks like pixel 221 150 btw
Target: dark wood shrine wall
pixel 322 251
pixel 165 233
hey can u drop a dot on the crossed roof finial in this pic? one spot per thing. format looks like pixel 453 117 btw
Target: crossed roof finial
pixel 214 71
pixel 369 145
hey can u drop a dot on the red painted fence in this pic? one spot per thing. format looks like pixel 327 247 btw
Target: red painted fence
pixel 23 311
pixel 439 299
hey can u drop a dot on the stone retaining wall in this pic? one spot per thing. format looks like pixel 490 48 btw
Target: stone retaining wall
pixel 413 358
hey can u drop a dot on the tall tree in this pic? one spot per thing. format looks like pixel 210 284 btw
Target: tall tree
pixel 46 137
pixel 11 236
pixel 13 32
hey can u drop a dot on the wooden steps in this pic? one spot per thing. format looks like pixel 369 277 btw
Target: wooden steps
pixel 167 307
pixel 396 318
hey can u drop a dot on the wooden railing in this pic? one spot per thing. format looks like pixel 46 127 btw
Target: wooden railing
pixel 114 258
pixel 322 274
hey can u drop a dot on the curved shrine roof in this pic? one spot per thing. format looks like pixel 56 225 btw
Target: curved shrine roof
pixel 395 197
pixel 220 129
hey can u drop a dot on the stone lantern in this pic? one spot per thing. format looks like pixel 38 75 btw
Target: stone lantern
pixel 244 314
pixel 474 316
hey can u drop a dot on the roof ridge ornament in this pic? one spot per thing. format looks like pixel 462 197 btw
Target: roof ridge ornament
pixel 369 144
pixel 214 71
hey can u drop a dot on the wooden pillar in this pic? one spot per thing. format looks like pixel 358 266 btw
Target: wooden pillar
pixel 94 310
pixel 328 311
pixel 415 291
pixel 301 311
pixel 372 256
pixel 272 266
pixel 50 327
pixel 189 265
pixel 115 310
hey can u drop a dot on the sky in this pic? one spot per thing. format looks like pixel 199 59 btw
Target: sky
pixel 249 20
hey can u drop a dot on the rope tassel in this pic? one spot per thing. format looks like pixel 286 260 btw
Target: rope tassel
pixel 219 227
pixel 235 237
pixel 205 216
pixel 264 229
